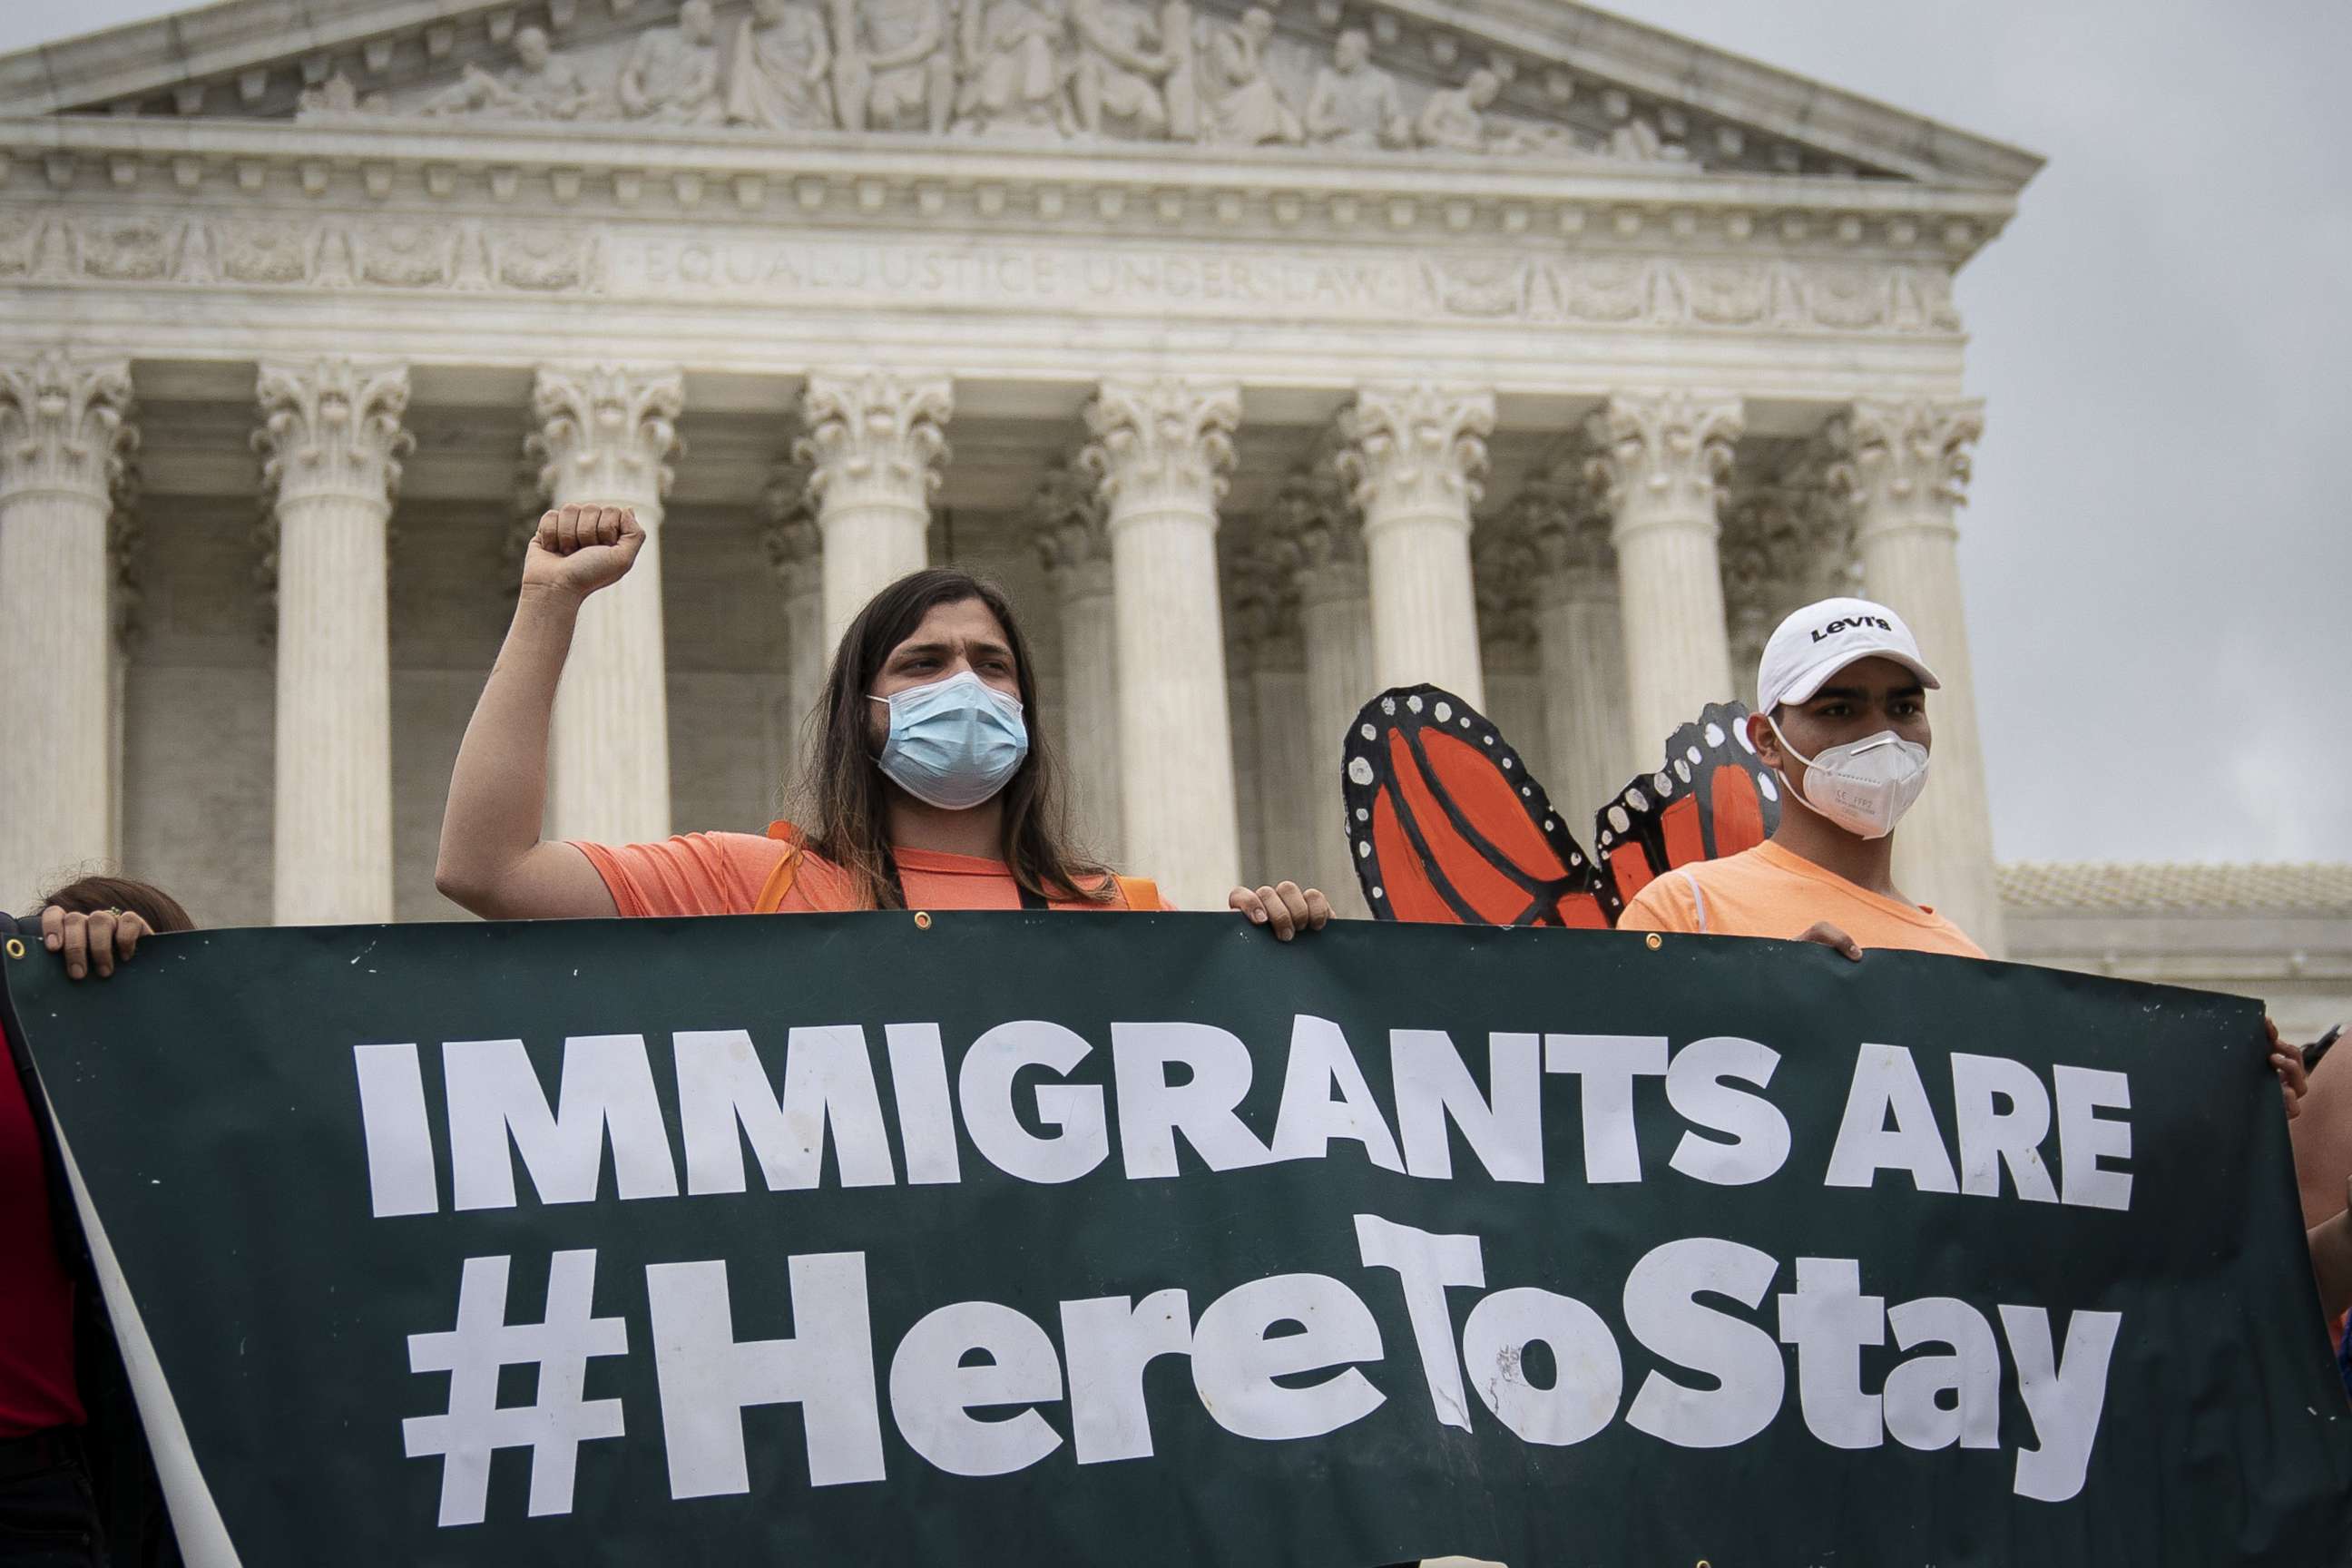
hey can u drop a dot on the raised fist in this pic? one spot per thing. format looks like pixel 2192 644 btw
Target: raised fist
pixel 579 548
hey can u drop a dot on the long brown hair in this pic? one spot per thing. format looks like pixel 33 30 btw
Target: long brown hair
pixel 90 895
pixel 848 799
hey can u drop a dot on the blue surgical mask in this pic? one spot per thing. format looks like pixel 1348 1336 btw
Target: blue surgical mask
pixel 954 742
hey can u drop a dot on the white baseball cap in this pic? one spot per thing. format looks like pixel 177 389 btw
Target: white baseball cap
pixel 1823 638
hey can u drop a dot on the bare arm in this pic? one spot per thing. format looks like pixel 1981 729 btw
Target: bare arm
pixel 492 860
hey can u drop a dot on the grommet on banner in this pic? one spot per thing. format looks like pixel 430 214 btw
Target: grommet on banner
pixel 922 920
pixel 16 948
pixel 1654 942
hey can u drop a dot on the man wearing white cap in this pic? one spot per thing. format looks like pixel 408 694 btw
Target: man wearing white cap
pixel 1842 718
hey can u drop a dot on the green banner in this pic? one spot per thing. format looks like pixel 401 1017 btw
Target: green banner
pixel 1073 1238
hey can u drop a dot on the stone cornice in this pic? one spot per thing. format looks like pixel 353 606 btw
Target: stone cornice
pixel 241 45
pixel 844 181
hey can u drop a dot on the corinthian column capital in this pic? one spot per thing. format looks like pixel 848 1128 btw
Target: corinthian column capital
pixel 1503 564
pixel 1262 603
pixel 332 427
pixel 1415 450
pixel 606 433
pixel 1663 456
pixel 1073 544
pixel 1166 441
pixel 1564 533
pixel 795 547
pixel 1905 462
pixel 65 425
pixel 874 433
pixel 1315 533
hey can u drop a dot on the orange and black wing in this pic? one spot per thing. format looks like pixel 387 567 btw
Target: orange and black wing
pixel 1448 828
pixel 1712 798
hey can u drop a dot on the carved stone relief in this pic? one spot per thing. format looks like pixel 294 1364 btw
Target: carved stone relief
pixel 1150 71
pixel 782 74
pixel 557 258
pixel 542 85
pixel 672 76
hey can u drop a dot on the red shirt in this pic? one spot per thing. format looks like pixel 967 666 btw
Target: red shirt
pixel 37 1295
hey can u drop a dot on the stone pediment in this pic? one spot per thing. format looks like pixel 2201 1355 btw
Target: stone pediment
pixel 1532 82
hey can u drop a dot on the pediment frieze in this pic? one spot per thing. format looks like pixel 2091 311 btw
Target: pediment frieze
pixel 1540 82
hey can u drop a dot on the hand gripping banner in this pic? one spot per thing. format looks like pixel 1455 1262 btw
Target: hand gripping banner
pixel 977 1238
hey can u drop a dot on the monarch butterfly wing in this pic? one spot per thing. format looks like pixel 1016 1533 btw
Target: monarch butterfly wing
pixel 1446 826
pixel 1711 796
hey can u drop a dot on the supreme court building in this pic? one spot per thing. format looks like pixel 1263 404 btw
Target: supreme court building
pixel 1269 356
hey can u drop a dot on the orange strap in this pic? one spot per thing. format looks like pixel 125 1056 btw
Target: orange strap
pixel 779 884
pixel 1142 893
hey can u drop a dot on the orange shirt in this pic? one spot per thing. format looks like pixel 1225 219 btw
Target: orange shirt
pixel 722 873
pixel 1768 891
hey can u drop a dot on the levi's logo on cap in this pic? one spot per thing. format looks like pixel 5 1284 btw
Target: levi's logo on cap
pixel 1816 641
pixel 1853 624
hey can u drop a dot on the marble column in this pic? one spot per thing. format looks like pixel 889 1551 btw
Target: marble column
pixel 1335 621
pixel 1788 540
pixel 331 447
pixel 1074 546
pixel 1506 640
pixel 1660 459
pixel 1579 648
pixel 874 444
pixel 606 434
pixel 1293 786
pixel 1908 463
pixel 1416 456
pixel 125 546
pixel 65 438
pixel 1160 451
pixel 796 552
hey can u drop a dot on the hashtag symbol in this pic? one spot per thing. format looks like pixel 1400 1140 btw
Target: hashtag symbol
pixel 554 1425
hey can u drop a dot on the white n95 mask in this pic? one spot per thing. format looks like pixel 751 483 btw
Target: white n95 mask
pixel 1864 786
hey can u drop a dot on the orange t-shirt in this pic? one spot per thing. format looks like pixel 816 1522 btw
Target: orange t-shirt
pixel 722 873
pixel 1768 891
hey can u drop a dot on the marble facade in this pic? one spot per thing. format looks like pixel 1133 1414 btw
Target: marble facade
pixel 1267 354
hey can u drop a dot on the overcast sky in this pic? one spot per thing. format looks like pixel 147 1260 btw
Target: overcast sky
pixel 2158 545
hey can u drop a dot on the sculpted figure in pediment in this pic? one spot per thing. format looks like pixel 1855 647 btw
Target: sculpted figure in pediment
pixel 540 86
pixel 1246 106
pixel 336 96
pixel 1355 103
pixel 1454 119
pixel 781 78
pixel 672 78
pixel 892 62
pixel 1013 66
pixel 1131 72
pixel 1638 142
